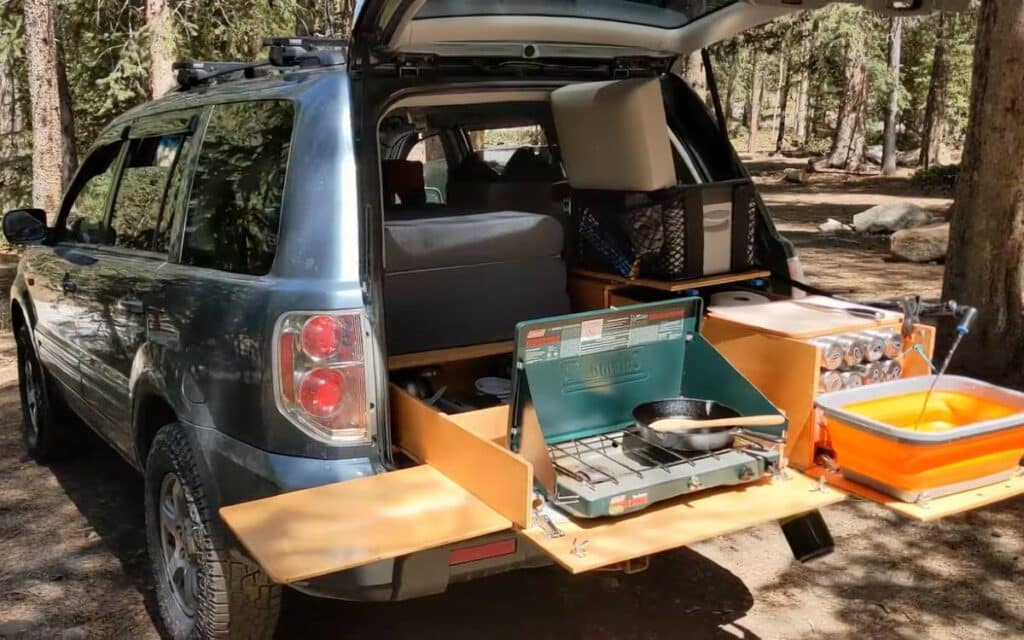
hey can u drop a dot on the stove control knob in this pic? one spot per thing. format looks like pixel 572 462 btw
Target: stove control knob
pixel 747 474
pixel 695 483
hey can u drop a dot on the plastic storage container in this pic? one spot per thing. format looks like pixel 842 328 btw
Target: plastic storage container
pixel 971 435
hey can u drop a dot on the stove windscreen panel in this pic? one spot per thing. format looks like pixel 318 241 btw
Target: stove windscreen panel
pixel 710 376
pixel 584 373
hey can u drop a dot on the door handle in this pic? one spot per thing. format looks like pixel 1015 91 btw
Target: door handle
pixel 131 304
pixel 68 284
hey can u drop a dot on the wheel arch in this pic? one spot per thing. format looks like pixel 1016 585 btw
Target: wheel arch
pixel 151 410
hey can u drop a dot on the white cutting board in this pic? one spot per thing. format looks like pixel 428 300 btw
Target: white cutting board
pixel 791 319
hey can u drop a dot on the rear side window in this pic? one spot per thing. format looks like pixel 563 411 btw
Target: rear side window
pixel 235 202
pixel 497 147
pixel 139 206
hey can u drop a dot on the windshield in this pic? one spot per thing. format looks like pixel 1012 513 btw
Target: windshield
pixel 666 14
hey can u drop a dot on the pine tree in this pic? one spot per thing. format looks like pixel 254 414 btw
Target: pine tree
pixel 889 136
pixel 54 157
pixel 935 106
pixel 985 262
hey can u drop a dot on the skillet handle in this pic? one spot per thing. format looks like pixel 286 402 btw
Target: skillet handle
pixel 770 420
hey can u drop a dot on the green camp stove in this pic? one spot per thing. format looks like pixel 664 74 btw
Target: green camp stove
pixel 579 377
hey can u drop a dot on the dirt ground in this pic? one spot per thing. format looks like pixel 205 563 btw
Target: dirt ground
pixel 73 562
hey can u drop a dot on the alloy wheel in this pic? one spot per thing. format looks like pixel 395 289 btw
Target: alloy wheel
pixel 177 542
pixel 32 398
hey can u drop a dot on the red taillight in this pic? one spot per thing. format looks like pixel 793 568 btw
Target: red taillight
pixel 320 377
pixel 321 392
pixel 321 337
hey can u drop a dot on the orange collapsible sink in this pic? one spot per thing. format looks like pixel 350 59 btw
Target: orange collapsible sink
pixel 971 435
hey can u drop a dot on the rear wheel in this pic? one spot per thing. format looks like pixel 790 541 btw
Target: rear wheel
pixel 205 589
pixel 44 436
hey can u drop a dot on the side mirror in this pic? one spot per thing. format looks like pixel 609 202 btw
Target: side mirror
pixel 24 226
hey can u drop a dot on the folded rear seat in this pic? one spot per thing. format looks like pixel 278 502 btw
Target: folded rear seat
pixel 468 279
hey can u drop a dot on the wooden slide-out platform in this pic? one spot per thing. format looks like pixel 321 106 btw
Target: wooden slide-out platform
pixel 935 508
pixel 469 486
pixel 592 544
pixel 305 534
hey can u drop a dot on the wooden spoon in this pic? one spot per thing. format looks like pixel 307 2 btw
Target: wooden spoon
pixel 681 424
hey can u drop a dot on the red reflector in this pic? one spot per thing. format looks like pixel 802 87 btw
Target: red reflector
pixel 287 364
pixel 482 551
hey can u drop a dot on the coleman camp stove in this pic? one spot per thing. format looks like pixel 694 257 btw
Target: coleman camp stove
pixel 578 378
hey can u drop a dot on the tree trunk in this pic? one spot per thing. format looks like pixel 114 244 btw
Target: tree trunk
pixel 805 110
pixel 780 139
pixel 53 132
pixel 161 47
pixel 985 262
pixel 848 140
pixel 754 112
pixel 889 135
pixel 935 104
pixel 730 91
pixel 777 106
pixel 800 125
pixel 11 125
pixel 692 70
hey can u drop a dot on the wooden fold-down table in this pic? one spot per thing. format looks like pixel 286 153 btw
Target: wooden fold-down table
pixel 305 534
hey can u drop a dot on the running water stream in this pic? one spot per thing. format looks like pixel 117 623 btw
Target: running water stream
pixel 963 326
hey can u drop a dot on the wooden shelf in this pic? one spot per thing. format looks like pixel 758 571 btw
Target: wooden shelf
pixel 453 354
pixel 673 286
pixel 935 508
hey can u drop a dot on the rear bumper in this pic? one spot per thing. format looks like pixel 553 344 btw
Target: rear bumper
pixel 237 472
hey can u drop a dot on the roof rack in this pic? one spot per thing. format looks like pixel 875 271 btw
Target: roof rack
pixel 193 73
pixel 304 51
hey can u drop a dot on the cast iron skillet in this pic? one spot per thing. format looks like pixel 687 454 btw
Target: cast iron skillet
pixel 699 439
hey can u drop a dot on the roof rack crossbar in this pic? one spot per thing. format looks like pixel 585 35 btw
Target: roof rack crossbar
pixel 285 51
pixel 192 73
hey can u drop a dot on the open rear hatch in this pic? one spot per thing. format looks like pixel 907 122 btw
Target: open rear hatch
pixel 575 28
pixel 579 377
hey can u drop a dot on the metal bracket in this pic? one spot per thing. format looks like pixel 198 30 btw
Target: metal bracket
pixel 923 499
pixel 579 547
pixel 547 525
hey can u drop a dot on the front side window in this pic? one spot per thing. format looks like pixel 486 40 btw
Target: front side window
pixel 83 218
pixel 139 208
pixel 235 202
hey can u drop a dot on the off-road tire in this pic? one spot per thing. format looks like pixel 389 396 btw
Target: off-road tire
pixel 234 597
pixel 51 436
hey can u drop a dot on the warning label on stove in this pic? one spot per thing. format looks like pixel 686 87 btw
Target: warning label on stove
pixel 600 335
pixel 627 502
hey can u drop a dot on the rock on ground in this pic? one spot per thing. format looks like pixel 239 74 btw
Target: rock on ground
pixel 797 176
pixel 924 244
pixel 887 218
pixel 833 226
pixel 909 158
